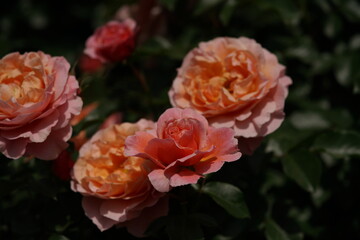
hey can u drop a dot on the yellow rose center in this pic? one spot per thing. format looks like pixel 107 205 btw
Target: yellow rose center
pixel 107 171
pixel 209 78
pixel 21 79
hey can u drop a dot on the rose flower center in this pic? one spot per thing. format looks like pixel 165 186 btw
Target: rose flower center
pixel 22 82
pixel 210 77
pixel 184 131
pixel 109 173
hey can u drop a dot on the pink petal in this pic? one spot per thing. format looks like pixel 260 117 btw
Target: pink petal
pixel 13 149
pixel 91 207
pixel 275 122
pixel 52 146
pixel 224 140
pixel 139 225
pixel 37 131
pixel 208 167
pixel 137 143
pixel 119 209
pixel 177 113
pixel 61 75
pixel 184 177
pixel 165 151
pixel 246 129
pixel 159 181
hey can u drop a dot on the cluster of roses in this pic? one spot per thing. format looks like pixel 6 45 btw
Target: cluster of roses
pixel 229 93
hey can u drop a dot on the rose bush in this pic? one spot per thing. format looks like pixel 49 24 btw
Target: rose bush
pixel 183 147
pixel 38 98
pixel 235 83
pixel 116 188
pixel 112 42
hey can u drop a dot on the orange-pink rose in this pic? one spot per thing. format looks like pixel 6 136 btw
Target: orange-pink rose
pixel 112 42
pixel 235 83
pixel 38 98
pixel 184 148
pixel 116 188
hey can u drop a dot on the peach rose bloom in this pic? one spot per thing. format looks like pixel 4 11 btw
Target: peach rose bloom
pixel 116 188
pixel 112 42
pixel 183 147
pixel 235 83
pixel 38 98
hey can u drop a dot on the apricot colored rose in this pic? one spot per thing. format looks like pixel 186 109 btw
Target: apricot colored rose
pixel 112 42
pixel 183 147
pixel 235 83
pixel 38 98
pixel 116 188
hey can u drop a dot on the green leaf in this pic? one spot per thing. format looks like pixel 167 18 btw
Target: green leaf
pixel 321 119
pixel 304 168
pixel 308 120
pixel 229 197
pixel 283 140
pixel 274 232
pixel 339 144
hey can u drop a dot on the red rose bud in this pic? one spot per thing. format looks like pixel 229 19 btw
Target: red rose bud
pixel 112 42
pixel 89 65
pixel 63 165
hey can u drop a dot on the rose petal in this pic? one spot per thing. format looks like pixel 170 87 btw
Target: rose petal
pixel 159 181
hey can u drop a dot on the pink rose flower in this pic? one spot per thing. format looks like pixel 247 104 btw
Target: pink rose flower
pixel 116 188
pixel 183 147
pixel 38 98
pixel 112 42
pixel 235 83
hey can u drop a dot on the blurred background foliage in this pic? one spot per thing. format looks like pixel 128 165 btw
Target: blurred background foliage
pixel 302 182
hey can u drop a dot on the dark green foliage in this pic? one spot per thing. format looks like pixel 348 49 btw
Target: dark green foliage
pixel 229 197
pixel 301 183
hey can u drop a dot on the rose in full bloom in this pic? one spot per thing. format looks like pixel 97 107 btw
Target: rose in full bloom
pixel 38 98
pixel 183 147
pixel 116 188
pixel 112 42
pixel 235 83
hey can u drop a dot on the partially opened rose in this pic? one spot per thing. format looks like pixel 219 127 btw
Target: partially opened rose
pixel 38 98
pixel 235 83
pixel 183 147
pixel 112 42
pixel 116 188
